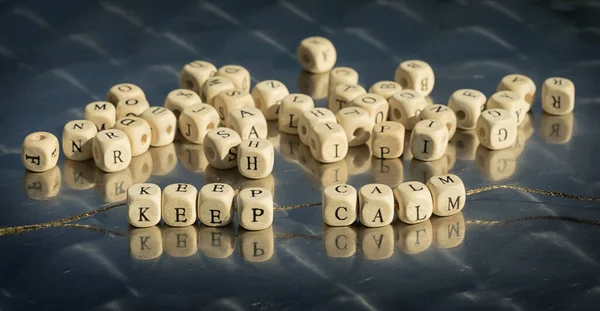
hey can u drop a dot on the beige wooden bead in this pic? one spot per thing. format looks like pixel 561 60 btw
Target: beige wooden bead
pixel 415 75
pixel 267 97
pixel 256 158
pixel 519 84
pixel 123 91
pixel 448 193
pixel 511 102
pixel 496 165
pixel 103 114
pixel 388 140
pixel 342 75
pixel 328 142
pixel 466 143
pixel 179 205
pixel 387 171
pixel 342 95
pixel 339 205
pixel 40 151
pixel 316 54
pixel 292 107
pixel 138 131
pixel 180 241
pixel 215 204
pixel 164 159
pixel 80 175
pixel 467 105
pixel 496 129
pixel 415 203
pixel 248 122
pixel 221 147
pixel 229 100
pixel 111 150
pixel 192 157
pixel 257 246
pixel 236 74
pixel 557 129
pixel 179 99
pixel 414 239
pixel 558 96
pixel 385 88
pixel 77 139
pixel 255 208
pixel 194 74
pixel 196 121
pixel 443 114
pixel 141 167
pixel 216 242
pixel 357 124
pixel 339 242
pixel 376 205
pixel 405 108
pixel 376 243
pixel 163 125
pixel 213 86
pixel 145 243
pixel 144 205
pixel 376 105
pixel 310 118
pixel 43 185
pixel 449 231
pixel 131 107
pixel 113 186
pixel 315 85
pixel 428 140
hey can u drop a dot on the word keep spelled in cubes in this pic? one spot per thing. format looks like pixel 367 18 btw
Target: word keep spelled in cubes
pixel 388 140
pixel 428 140
pixel 415 75
pixel 77 139
pixel 467 104
pixel 163 125
pixel 292 107
pixel 215 204
pixel 449 195
pixel 415 203
pixel 328 142
pixel 268 96
pixel 558 96
pixel 496 129
pixel 256 158
pixel 255 208
pixel 138 131
pixel 144 202
pixel 196 121
pixel 310 119
pixel 103 114
pixel 376 205
pixel 339 205
pixel 111 150
pixel 179 205
pixel 39 151
pixel 316 54
pixel 221 148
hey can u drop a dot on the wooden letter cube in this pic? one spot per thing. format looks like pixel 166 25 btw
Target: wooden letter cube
pixel 229 100
pixel 40 151
pixel 256 158
pixel 385 88
pixel 519 84
pixel 415 203
pixel 163 125
pixel 342 95
pixel 415 75
pixel 196 121
pixel 215 204
pixel 213 86
pixel 467 104
pixel 376 203
pixel 511 102
pixel 138 131
pixel 442 114
pixel 124 91
pixel 339 205
pixel 357 123
pixel 376 105
pixel 496 129
pixel 144 204
pixel 248 122
pixel 310 118
pixel 221 148
pixel 193 75
pixel 179 99
pixel 179 205
pixel 131 107
pixel 558 96
pixel 267 97
pixel 112 150
pixel 255 208
pixel 388 140
pixel 328 142
pixel 342 75
pixel 448 194
pixel 236 74
pixel 316 54
pixel 103 114
pixel 77 139
pixel 292 107
pixel 405 107
pixel 428 140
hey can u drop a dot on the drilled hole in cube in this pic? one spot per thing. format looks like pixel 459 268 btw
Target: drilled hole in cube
pixel 403 83
pixel 39 137
pixel 210 153
pixel 169 129
pixel 361 134
pixel 210 126
pixel 397 114
pixel 461 115
pixel 313 144
pixel 481 132
pixel 460 144
pixel 189 84
pixel 258 103
pixel 303 130
pixel 144 139
pixel 529 97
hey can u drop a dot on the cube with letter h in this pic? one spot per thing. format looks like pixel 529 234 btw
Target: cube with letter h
pixel 256 158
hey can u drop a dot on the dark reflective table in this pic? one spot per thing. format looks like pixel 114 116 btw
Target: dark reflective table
pixel 509 249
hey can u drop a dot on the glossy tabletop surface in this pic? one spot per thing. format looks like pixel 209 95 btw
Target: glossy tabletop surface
pixel 512 248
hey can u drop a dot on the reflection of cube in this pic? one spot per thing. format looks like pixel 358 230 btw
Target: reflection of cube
pixel 42 185
pixel 80 175
pixel 145 243
pixel 339 241
pixel 448 232
pixel 314 85
pixel 557 129
pixel 216 242
pixel 376 243
pixel 387 171
pixel 180 242
pixel 496 129
pixel 496 165
pixel 113 186
pixel 422 171
pixel 413 239
pixel 164 159
pixel 465 143
pixel 257 246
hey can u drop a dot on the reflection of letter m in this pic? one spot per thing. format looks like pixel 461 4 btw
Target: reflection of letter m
pixel 455 204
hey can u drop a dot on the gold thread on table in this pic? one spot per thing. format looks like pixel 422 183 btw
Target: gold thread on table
pixel 61 222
